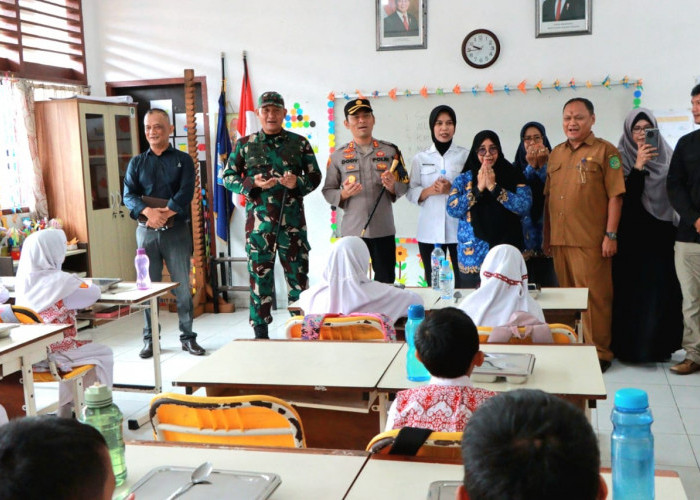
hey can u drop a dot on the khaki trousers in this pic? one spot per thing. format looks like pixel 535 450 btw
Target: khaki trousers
pixel 587 268
pixel 687 260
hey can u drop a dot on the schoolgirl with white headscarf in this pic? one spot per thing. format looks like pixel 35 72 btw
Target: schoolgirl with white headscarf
pixel 54 295
pixel 345 287
pixel 503 289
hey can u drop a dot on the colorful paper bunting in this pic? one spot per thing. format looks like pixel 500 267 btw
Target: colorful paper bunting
pixel 606 83
pixel 331 96
pixel 392 94
pixel 572 84
pixel 557 85
pixel 457 89
pixel 475 90
pixel 522 87
pixel 359 94
pixel 424 91
pixel 489 88
pixel 506 89
pixel 538 86
pixel 589 84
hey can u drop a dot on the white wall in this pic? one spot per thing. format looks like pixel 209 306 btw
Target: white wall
pixel 306 48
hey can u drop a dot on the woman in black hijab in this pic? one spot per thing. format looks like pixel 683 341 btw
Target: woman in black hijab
pixel 489 198
pixel 432 172
pixel 531 159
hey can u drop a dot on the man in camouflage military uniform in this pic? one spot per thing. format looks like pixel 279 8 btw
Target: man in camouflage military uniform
pixel 274 169
pixel 358 179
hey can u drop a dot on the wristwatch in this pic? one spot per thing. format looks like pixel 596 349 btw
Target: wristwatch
pixel 611 236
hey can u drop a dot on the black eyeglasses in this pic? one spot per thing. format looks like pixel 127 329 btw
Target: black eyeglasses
pixel 493 150
pixel 639 128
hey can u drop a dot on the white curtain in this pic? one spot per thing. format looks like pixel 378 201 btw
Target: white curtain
pixel 22 184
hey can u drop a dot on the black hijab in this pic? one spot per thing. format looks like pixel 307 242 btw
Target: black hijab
pixel 441 147
pixel 492 222
pixel 536 185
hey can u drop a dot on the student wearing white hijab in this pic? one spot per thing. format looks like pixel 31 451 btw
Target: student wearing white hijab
pixel 55 295
pixel 503 289
pixel 345 287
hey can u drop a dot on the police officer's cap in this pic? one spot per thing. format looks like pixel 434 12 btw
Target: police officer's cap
pixel 354 106
pixel 270 99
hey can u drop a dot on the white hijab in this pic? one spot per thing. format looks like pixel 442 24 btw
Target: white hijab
pixel 345 287
pixel 40 282
pixel 503 289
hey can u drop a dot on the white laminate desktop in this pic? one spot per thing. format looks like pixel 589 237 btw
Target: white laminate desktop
pixel 26 345
pixel 381 478
pixel 319 364
pixel 305 473
pixel 567 370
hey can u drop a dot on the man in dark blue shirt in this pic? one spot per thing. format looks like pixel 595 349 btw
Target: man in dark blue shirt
pixel 166 173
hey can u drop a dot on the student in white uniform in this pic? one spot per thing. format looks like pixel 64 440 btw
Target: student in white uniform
pixel 432 173
pixel 503 289
pixel 345 287
pixel 55 296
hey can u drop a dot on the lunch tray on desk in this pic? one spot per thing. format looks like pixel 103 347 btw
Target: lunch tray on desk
pixel 515 367
pixel 443 490
pixel 162 481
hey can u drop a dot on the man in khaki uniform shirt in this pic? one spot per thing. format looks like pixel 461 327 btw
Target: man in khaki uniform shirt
pixel 355 176
pixel 584 189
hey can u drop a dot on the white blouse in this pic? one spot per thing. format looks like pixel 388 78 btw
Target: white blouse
pixel 434 225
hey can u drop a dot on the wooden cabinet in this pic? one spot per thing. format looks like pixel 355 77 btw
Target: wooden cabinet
pixel 84 149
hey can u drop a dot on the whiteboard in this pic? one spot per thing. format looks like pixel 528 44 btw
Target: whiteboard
pixel 404 122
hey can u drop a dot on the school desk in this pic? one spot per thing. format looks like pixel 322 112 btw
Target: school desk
pixel 331 384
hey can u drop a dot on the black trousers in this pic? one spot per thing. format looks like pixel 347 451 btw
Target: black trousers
pixel 383 253
pixel 426 249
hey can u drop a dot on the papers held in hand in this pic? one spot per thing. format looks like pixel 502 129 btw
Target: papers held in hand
pixel 515 367
pixel 153 202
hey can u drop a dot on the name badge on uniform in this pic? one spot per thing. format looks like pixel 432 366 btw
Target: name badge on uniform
pixel 381 166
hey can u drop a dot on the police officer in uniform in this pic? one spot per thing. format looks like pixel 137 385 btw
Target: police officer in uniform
pixel 356 174
pixel 274 169
pixel 583 204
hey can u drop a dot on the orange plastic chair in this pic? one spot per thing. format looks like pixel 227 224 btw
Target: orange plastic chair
pixel 561 334
pixel 342 328
pixel 236 420
pixel 439 445
pixel 25 315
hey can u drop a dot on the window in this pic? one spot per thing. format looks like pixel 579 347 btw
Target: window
pixel 43 40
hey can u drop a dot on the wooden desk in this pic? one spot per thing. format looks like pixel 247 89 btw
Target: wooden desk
pixel 332 384
pixel 569 371
pixel 26 345
pixel 126 293
pixel 390 478
pixel 305 473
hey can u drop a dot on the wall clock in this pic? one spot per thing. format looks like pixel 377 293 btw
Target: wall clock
pixel 480 48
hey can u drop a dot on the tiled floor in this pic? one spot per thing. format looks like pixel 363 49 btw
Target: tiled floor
pixel 675 400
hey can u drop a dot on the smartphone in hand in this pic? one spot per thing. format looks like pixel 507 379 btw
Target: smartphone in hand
pixel 651 137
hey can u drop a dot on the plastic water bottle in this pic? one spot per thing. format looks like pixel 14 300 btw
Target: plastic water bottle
pixel 415 370
pixel 104 416
pixel 143 279
pixel 632 446
pixel 447 280
pixel 436 257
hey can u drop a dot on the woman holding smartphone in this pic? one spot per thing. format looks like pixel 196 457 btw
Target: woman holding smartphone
pixel 432 173
pixel 647 317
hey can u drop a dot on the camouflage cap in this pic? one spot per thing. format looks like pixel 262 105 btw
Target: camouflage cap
pixel 270 99
pixel 355 105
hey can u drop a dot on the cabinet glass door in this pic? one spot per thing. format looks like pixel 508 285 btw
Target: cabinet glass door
pixel 97 161
pixel 125 147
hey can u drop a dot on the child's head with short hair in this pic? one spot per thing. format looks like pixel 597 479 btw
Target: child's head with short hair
pixel 447 342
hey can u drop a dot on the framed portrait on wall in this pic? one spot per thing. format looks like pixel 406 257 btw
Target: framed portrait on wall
pixel 402 24
pixel 562 17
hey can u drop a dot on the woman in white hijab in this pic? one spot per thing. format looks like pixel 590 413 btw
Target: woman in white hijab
pixel 55 295
pixel 345 287
pixel 503 289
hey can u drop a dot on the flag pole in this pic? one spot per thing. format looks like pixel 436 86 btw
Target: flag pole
pixel 223 91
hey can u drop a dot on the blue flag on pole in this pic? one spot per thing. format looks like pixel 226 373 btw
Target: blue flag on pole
pixel 223 203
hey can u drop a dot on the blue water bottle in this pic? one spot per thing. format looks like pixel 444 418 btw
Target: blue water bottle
pixel 415 370
pixel 632 446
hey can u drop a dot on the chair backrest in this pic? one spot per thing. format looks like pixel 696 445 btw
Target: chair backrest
pixel 18 314
pixel 352 327
pixel 561 334
pixel 237 420
pixel 441 445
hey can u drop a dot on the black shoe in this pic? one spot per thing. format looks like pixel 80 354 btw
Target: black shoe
pixel 191 346
pixel 261 331
pixel 147 351
pixel 604 365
